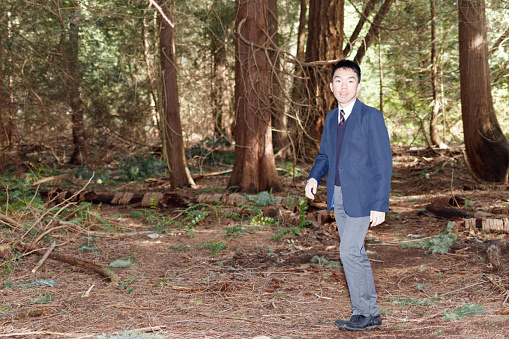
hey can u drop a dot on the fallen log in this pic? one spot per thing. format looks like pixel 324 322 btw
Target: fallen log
pixel 446 211
pixel 473 219
pixel 22 314
pixel 118 198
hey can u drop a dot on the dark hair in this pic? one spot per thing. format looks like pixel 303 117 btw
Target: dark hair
pixel 349 65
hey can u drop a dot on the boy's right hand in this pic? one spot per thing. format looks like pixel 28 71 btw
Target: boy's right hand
pixel 311 187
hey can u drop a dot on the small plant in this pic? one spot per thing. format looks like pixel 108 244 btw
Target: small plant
pixel 323 261
pixel 11 264
pixel 460 312
pixel 5 308
pixel 259 219
pixel 214 246
pixel 409 301
pixel 439 244
pixel 181 248
pixel 421 287
pixel 238 231
pixel 125 285
pixel 123 263
pixel 291 170
pixel 42 300
pixel 302 207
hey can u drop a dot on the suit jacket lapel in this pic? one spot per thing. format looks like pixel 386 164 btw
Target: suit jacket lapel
pixel 333 125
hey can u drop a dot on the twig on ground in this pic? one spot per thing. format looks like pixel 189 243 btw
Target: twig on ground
pixel 464 288
pixel 44 257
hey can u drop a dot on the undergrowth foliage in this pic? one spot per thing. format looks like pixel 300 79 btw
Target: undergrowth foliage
pixel 440 244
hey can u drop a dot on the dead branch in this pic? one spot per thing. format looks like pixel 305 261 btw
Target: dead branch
pixel 48 179
pixel 10 222
pixel 204 175
pixel 44 257
pixel 104 271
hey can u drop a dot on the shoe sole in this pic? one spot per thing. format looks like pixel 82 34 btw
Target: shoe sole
pixel 346 328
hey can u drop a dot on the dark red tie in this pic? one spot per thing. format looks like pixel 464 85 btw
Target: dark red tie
pixel 341 118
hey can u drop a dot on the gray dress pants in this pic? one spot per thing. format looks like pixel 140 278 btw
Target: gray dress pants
pixel 356 265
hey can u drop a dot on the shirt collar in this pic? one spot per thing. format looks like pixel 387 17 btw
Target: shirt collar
pixel 348 109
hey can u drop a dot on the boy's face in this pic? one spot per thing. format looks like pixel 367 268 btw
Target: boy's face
pixel 345 85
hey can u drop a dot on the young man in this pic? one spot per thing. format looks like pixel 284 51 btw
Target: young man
pixel 355 152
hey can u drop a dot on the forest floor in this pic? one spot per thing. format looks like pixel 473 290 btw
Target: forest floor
pixel 175 285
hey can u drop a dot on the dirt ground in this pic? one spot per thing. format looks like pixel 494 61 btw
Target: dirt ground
pixel 256 286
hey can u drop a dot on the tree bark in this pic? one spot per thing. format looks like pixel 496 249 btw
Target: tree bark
pixel 325 43
pixel 373 30
pixel 279 118
pixel 298 85
pixel 180 176
pixel 80 152
pixel 486 146
pixel 433 133
pixel 254 169
pixel 2 125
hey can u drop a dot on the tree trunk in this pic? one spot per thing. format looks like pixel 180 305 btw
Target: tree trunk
pixel 80 152
pixel 486 146
pixel 2 125
pixel 435 138
pixel 279 118
pixel 180 176
pixel 325 43
pixel 298 85
pixel 373 30
pixel 220 95
pixel 254 169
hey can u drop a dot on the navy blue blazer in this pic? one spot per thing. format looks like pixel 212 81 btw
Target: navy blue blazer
pixel 365 163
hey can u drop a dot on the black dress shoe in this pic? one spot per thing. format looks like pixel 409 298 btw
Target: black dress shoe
pixel 377 321
pixel 355 320
pixel 359 323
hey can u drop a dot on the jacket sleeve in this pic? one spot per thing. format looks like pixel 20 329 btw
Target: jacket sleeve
pixel 321 166
pixel 381 155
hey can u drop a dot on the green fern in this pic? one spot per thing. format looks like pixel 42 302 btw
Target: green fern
pixel 214 246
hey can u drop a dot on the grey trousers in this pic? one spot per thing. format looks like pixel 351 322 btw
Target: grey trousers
pixel 356 265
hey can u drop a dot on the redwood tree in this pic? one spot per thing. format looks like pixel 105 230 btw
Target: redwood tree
pixel 180 176
pixel 74 81
pixel 325 43
pixel 254 169
pixel 433 133
pixel 486 146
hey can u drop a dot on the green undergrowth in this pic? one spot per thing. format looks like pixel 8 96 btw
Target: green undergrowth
pixel 440 244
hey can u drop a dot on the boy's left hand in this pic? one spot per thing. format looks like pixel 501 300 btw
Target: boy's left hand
pixel 376 218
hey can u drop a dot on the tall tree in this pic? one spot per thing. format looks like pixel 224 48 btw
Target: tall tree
pixel 486 146
pixel 433 131
pixel 254 169
pixel 80 152
pixel 279 119
pixel 325 43
pixel 180 176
